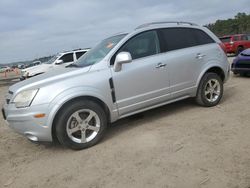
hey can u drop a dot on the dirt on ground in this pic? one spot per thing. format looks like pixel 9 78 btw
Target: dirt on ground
pixel 181 145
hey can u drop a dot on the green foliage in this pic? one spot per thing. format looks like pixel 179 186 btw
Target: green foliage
pixel 240 24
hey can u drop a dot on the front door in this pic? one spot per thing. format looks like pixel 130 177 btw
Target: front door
pixel 144 82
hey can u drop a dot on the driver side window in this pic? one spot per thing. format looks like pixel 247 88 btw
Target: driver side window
pixel 67 58
pixel 142 45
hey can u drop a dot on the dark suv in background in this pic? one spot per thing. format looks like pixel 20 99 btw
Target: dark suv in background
pixel 236 43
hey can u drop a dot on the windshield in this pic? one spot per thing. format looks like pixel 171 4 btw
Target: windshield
pixel 51 60
pixel 99 52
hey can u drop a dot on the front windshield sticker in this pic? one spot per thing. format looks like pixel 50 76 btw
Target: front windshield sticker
pixel 110 45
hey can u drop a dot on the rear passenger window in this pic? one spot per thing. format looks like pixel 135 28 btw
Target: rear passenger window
pixel 79 54
pixel 142 45
pixel 178 38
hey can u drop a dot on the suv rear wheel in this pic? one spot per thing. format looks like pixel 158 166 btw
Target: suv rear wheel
pixel 210 90
pixel 81 124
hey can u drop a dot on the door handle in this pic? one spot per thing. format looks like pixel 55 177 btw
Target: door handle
pixel 160 65
pixel 200 56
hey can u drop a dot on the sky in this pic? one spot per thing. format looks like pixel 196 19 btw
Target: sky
pixel 35 28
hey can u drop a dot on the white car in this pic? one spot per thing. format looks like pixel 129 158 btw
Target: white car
pixel 5 69
pixel 59 60
pixel 35 63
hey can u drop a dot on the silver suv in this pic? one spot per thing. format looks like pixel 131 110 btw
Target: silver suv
pixel 156 64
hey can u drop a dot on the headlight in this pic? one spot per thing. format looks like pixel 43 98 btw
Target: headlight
pixel 25 98
pixel 24 73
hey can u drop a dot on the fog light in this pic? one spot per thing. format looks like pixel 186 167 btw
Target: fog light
pixel 31 137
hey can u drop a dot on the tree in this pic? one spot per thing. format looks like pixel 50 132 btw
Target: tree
pixel 239 24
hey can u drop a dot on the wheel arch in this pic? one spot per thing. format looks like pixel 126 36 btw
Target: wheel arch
pixel 215 69
pixel 75 99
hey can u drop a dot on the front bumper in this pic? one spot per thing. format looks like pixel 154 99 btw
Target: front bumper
pixel 24 77
pixel 241 66
pixel 22 120
pixel 240 70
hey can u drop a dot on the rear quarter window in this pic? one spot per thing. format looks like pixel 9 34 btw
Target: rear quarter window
pixel 202 37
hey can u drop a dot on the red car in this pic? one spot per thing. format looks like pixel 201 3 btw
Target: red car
pixel 236 43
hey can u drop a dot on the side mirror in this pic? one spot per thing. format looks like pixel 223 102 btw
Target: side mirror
pixel 121 58
pixel 58 62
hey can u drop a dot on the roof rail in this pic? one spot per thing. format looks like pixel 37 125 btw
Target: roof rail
pixel 163 22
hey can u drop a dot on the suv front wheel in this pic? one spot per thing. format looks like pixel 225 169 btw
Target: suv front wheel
pixel 81 124
pixel 210 90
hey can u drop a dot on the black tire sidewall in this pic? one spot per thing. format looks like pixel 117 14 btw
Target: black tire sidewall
pixel 65 114
pixel 205 79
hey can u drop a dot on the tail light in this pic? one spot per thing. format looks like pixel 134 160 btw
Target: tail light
pixel 223 47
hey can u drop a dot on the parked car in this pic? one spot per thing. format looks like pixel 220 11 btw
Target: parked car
pixel 241 64
pixel 5 69
pixel 236 43
pixel 35 63
pixel 21 66
pixel 59 60
pixel 156 64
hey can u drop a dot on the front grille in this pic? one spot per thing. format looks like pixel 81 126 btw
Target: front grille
pixel 243 64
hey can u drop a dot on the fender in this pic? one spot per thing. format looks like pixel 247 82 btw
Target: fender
pixel 75 92
pixel 206 67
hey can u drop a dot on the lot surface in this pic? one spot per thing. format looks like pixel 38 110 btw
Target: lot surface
pixel 178 145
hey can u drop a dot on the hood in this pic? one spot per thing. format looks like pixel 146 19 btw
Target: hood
pixel 37 69
pixel 48 77
pixel 245 52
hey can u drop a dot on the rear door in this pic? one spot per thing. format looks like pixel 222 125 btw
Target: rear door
pixel 187 50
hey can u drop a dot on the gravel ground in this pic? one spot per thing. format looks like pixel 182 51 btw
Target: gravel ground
pixel 178 145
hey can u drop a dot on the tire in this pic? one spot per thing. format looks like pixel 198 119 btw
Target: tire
pixel 81 124
pixel 206 95
pixel 239 49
